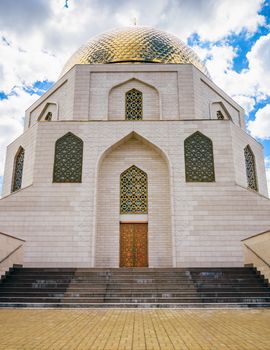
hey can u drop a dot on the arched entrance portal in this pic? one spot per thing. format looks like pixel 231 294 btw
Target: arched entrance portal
pixel 133 198
pixel 133 201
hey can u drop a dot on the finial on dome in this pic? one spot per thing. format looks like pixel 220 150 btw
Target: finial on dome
pixel 135 21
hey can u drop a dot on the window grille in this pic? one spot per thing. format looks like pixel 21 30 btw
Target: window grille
pixel 133 191
pixel 134 105
pixel 48 116
pixel 220 115
pixel 68 159
pixel 199 159
pixel 250 168
pixel 18 170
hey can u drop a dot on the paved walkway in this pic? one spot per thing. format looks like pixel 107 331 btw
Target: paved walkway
pixel 135 329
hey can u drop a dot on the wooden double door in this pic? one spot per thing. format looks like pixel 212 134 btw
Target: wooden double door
pixel 133 245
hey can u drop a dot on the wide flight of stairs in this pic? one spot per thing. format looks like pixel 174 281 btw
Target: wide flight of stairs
pixel 140 287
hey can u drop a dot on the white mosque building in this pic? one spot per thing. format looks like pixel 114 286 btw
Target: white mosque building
pixel 134 158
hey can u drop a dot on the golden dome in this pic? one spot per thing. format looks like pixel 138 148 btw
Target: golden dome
pixel 134 44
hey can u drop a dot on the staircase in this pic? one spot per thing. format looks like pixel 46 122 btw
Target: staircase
pixel 140 287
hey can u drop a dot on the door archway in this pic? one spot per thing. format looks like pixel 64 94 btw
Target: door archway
pixel 133 150
pixel 133 201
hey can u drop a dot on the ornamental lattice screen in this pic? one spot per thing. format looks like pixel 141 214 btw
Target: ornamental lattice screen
pixel 250 168
pixel 199 159
pixel 18 170
pixel 133 191
pixel 68 159
pixel 134 102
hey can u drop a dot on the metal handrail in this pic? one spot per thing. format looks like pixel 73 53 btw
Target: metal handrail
pixel 258 256
pixel 13 251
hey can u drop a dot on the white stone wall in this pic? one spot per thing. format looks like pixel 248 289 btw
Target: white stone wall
pixel 28 142
pixel 11 252
pixel 240 140
pixel 208 95
pixel 93 92
pixel 190 224
pixel 133 151
pixel 60 222
pixel 117 100
pixel 61 95
pixel 102 83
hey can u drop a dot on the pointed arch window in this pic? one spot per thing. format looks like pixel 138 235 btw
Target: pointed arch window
pixel 68 159
pixel 48 117
pixel 134 102
pixel 18 170
pixel 250 168
pixel 133 191
pixel 199 159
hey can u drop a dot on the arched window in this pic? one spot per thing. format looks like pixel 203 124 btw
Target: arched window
pixel 68 159
pixel 48 116
pixel 18 170
pixel 133 105
pixel 199 159
pixel 250 168
pixel 133 191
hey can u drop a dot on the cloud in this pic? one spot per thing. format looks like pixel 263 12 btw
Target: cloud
pixel 214 20
pixel 11 118
pixel 260 127
pixel 259 67
pixel 23 16
pixel 247 87
pixel 37 37
pixel 23 67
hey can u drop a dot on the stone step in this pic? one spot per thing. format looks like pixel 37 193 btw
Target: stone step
pixel 104 294
pixel 128 273
pixel 196 305
pixel 56 286
pixel 134 276
pixel 140 269
pixel 128 286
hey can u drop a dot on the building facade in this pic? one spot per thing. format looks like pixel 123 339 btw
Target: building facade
pixel 134 158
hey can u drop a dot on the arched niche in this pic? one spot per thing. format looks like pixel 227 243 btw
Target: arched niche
pixel 133 150
pixel 219 111
pixel 49 112
pixel 117 100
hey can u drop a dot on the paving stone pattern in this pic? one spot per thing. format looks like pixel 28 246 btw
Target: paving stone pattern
pixel 135 329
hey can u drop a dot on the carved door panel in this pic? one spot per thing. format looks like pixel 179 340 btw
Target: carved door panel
pixel 133 245
pixel 140 245
pixel 126 245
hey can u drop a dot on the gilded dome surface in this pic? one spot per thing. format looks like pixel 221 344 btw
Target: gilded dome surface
pixel 134 44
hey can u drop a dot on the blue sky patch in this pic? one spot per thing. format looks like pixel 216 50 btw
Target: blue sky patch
pixel 3 96
pixel 39 87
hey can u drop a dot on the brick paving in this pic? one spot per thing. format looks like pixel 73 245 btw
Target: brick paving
pixel 135 329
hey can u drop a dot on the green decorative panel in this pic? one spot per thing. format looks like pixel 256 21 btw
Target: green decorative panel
pixel 18 170
pixel 133 191
pixel 250 168
pixel 133 105
pixel 199 159
pixel 68 159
